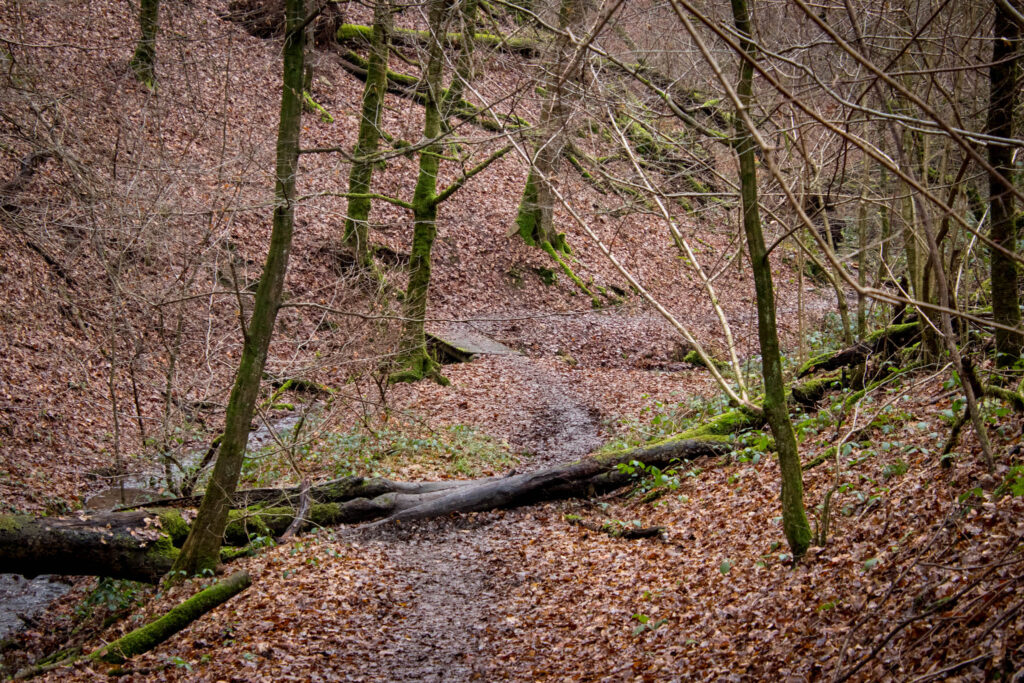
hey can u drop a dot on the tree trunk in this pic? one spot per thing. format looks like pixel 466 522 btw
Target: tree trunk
pixel 464 65
pixel 414 363
pixel 1004 95
pixel 123 545
pixel 202 549
pixel 794 519
pixel 357 221
pixel 535 219
pixel 143 61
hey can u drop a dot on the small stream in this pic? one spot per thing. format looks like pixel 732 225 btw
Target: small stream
pixel 23 600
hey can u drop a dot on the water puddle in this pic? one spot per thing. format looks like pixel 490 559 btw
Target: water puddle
pixel 23 600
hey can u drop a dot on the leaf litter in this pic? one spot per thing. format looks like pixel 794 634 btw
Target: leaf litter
pixel 518 595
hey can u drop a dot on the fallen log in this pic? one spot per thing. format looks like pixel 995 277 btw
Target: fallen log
pixel 140 544
pixel 410 87
pixel 147 637
pixel 583 477
pixel 360 35
pixel 892 337
pixel 334 491
pixel 123 545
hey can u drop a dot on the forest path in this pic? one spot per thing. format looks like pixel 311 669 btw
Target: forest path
pixel 450 601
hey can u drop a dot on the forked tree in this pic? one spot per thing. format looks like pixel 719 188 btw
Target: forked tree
pixel 414 361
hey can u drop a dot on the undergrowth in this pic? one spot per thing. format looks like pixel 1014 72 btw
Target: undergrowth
pixel 390 450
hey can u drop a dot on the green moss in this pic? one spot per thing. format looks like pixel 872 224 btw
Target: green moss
pixel 418 365
pixel 811 391
pixel 823 457
pixel 553 253
pixel 694 358
pixel 813 363
pixel 696 185
pixel 232 554
pixel 162 552
pixel 723 426
pixel 13 523
pixel 174 526
pixel 149 636
pixel 891 331
pixel 403 80
pixel 311 105
pixel 528 216
pixel 547 276
pixel 243 526
pixel 350 32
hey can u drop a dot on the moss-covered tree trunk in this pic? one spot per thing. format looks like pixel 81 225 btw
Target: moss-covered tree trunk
pixel 1004 82
pixel 145 638
pixel 125 545
pixel 414 363
pixel 143 62
pixel 794 519
pixel 202 548
pixel 357 222
pixel 535 219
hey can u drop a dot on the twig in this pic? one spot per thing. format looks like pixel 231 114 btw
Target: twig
pixel 300 513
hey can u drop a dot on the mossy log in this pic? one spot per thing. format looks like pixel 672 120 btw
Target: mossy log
pixel 810 392
pixel 140 544
pixel 694 358
pixel 1014 398
pixel 147 637
pixel 124 545
pixel 360 34
pixel 892 337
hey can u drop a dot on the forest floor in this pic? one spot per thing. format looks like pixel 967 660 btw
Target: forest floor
pixel 919 576
pixel 526 595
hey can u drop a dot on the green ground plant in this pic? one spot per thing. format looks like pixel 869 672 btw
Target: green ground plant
pixel 455 450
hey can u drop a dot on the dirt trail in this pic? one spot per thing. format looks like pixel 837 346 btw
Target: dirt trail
pixel 451 596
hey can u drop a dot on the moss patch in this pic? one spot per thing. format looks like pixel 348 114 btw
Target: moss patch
pixel 174 526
